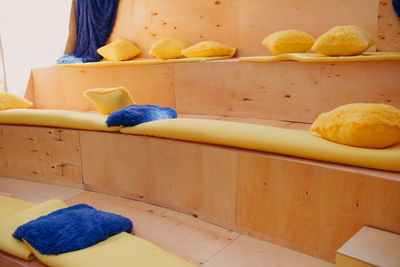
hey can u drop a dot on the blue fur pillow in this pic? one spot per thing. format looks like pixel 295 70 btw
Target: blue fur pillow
pixel 72 228
pixel 137 114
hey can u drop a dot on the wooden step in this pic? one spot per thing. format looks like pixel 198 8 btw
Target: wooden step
pixel 310 206
pixel 370 247
pixel 185 236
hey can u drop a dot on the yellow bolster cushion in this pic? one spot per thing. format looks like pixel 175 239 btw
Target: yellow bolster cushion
pixel 119 49
pixel 108 100
pixel 344 41
pixel 10 206
pixel 360 125
pixel 10 101
pixel 8 225
pixel 119 250
pixel 269 139
pixel 208 49
pixel 167 49
pixel 288 41
pixel 56 118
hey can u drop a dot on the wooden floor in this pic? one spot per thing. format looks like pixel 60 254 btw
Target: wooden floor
pixel 188 237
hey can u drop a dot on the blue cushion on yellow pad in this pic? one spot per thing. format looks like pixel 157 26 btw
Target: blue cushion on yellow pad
pixel 137 114
pixel 71 229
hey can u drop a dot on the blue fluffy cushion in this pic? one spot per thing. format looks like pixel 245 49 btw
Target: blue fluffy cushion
pixel 137 114
pixel 72 228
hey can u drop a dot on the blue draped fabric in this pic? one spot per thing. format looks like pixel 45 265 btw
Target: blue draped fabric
pixel 396 7
pixel 94 23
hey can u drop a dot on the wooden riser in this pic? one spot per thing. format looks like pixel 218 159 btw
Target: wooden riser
pixel 309 206
pixel 245 23
pixel 290 91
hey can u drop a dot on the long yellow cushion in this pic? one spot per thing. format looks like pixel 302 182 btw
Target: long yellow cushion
pixel 120 250
pixel 56 118
pixel 288 41
pixel 10 206
pixel 314 57
pixel 108 100
pixel 269 139
pixel 8 101
pixel 8 225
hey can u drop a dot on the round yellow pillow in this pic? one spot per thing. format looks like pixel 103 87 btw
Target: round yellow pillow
pixel 343 41
pixel 288 41
pixel 360 125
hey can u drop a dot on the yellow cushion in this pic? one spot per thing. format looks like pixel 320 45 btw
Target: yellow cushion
pixel 9 206
pixel 167 49
pixel 208 49
pixel 108 100
pixel 343 41
pixel 360 125
pixel 119 250
pixel 288 41
pixel 10 101
pixel 119 49
pixel 8 225
pixel 56 118
pixel 269 139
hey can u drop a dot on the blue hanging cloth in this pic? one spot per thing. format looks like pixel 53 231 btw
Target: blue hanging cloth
pixel 396 7
pixel 94 23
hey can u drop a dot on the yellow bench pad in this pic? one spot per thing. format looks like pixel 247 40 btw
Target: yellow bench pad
pixel 10 206
pixel 142 61
pixel 269 139
pixel 119 250
pixel 56 118
pixel 314 57
pixel 8 226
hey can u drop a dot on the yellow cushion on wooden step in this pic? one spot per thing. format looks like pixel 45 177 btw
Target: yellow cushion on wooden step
pixel 119 49
pixel 288 41
pixel 360 125
pixel 108 100
pixel 11 101
pixel 343 41
pixel 167 49
pixel 208 49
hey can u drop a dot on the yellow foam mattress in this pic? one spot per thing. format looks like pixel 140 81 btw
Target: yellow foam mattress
pixel 314 57
pixel 56 118
pixel 119 250
pixel 142 61
pixel 10 206
pixel 290 142
pixel 8 225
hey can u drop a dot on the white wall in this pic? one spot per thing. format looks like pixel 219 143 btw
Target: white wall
pixel 33 34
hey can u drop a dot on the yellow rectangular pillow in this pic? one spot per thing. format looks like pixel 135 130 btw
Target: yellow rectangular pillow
pixel 10 101
pixel 108 100
pixel 119 250
pixel 8 225
pixel 119 49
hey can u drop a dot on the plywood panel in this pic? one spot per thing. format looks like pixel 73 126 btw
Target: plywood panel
pixel 38 153
pixel 365 82
pixel 62 87
pixel 189 176
pixel 388 28
pixel 315 207
pixel 282 90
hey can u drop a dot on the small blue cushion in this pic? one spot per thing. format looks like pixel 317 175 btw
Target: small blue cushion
pixel 137 114
pixel 72 228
